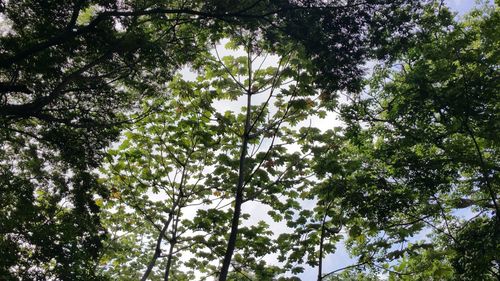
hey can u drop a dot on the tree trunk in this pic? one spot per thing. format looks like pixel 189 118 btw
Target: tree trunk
pixel 239 191
pixel 157 249
pixel 170 253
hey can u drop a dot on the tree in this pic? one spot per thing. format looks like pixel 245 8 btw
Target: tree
pixel 421 155
pixel 67 74
pixel 154 175
pixel 245 164
pixel 316 231
pixel 70 71
pixel 262 174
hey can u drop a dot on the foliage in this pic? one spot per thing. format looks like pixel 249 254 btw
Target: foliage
pixel 153 175
pixel 69 73
pixel 421 157
pixel 410 184
pixel 160 147
pixel 65 83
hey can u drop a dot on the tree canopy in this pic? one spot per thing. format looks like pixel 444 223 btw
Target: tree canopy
pixel 116 165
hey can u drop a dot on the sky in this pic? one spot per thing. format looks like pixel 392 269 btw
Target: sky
pixel 461 6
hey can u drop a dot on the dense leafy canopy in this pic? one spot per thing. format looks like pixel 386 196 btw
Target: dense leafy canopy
pixel 113 166
pixel 188 154
pixel 422 156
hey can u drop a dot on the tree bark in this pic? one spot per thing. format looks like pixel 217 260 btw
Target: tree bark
pixel 321 241
pixel 241 180
pixel 171 250
pixel 177 204
pixel 157 253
